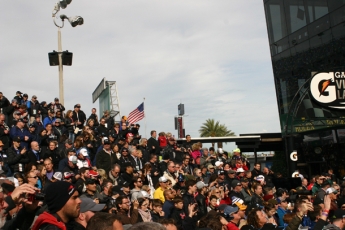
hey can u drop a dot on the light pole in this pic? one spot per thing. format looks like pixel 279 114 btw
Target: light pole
pixel 64 58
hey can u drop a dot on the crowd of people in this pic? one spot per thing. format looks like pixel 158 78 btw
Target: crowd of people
pixel 64 170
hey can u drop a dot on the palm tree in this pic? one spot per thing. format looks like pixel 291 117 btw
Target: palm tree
pixel 213 129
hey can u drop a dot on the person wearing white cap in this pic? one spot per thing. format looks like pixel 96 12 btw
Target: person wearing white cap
pixel 82 159
pixel 200 198
pixel 159 193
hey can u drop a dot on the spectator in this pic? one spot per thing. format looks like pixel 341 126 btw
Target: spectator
pixel 157 212
pixel 106 157
pixel 63 204
pixel 17 157
pixel 50 119
pixel 159 193
pixel 122 204
pixel 152 143
pixel 104 221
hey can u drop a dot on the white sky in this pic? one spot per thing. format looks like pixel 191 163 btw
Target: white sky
pixel 213 56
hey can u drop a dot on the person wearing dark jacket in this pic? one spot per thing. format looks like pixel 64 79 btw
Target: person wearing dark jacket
pixel 52 152
pixel 106 158
pixel 38 124
pixel 4 102
pixel 8 111
pixel 102 128
pixel 33 108
pixel 257 199
pixel 201 199
pixel 188 197
pixel 152 143
pixel 34 154
pixel 79 116
pixel 44 109
pixel 256 171
pixel 17 156
pixel 4 132
pixel 94 117
pixel 122 204
pixel 58 195
pixel 20 131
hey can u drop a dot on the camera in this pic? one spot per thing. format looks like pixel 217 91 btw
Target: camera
pixel 37 196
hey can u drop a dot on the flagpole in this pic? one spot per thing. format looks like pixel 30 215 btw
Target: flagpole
pixel 145 117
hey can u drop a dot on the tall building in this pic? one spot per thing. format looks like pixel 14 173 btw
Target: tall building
pixel 307 45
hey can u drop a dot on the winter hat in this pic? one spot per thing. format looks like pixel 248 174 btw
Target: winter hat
pixel 57 195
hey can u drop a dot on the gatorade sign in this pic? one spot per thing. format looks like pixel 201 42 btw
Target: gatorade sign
pixel 328 89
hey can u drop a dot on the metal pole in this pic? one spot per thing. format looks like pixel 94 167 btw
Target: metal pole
pixel 145 117
pixel 61 94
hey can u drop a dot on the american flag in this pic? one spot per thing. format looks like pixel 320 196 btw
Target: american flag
pixel 137 114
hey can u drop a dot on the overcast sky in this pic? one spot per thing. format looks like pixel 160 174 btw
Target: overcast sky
pixel 213 56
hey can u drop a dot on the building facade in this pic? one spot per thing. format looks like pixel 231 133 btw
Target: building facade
pixel 307 45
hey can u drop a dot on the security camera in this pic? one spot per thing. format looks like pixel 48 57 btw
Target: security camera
pixel 76 20
pixel 63 3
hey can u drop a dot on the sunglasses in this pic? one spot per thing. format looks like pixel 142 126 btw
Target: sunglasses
pixel 33 177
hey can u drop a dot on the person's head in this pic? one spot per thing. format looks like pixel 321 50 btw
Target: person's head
pixel 63 198
pixel 178 203
pixel 123 203
pixel 169 194
pixel 124 152
pixel 69 114
pixel 163 182
pixel 157 205
pixel 213 201
pixel 19 177
pixel 88 208
pixel 84 172
pixel 48 164
pixel 319 179
pixel 186 160
pixel 216 192
pixel 34 146
pixel 236 186
pixel 91 185
pixel 188 138
pixel 338 218
pixel 153 158
pixel 153 133
pixel 191 186
pixel 257 189
pixel 31 178
pixel 104 221
pixel 138 182
pixel 171 167
pixel 257 166
pixel 52 145
pixel 304 182
pixel 77 107
pixel 256 218
pixel 115 171
pixel 20 123
pixel 143 204
pixel 270 209
pixel 282 193
pixel 283 204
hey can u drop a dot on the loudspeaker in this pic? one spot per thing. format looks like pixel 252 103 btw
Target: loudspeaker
pixel 53 58
pixel 67 58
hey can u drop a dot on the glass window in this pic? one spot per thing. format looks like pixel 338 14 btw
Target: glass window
pixel 295 14
pixel 319 26
pixel 316 9
pixel 337 16
pixel 275 18
pixel 335 4
pixel 338 31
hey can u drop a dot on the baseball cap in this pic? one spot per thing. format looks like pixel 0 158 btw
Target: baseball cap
pixel 19 92
pixel 338 214
pixel 87 204
pixel 272 201
pixel 201 185
pixel 83 152
pixel 129 135
pixel 237 150
pixel 93 173
pixel 163 179
pixel 230 209
pixel 239 170
pixel 331 190
pixel 67 175
pixel 90 181
pixel 220 150
pixel 71 150
pixel 106 142
pixel 240 206
pixel 20 120
pixel 244 180
pixel 218 163
pixel 17 112
pixel 73 159
pixel 125 184
pixel 57 175
pixel 220 172
pixel 17 139
pixel 171 139
pixel 127 164
pixel 58 120
pixel 210 167
pixel 143 194
pixel 56 99
pixel 231 171
pixel 235 199
pixel 260 178
pixel 235 183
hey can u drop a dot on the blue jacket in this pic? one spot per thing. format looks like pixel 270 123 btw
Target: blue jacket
pixel 281 212
pixel 47 121
pixel 16 132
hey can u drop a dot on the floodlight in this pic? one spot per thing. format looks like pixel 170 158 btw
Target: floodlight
pixel 75 21
pixel 63 3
